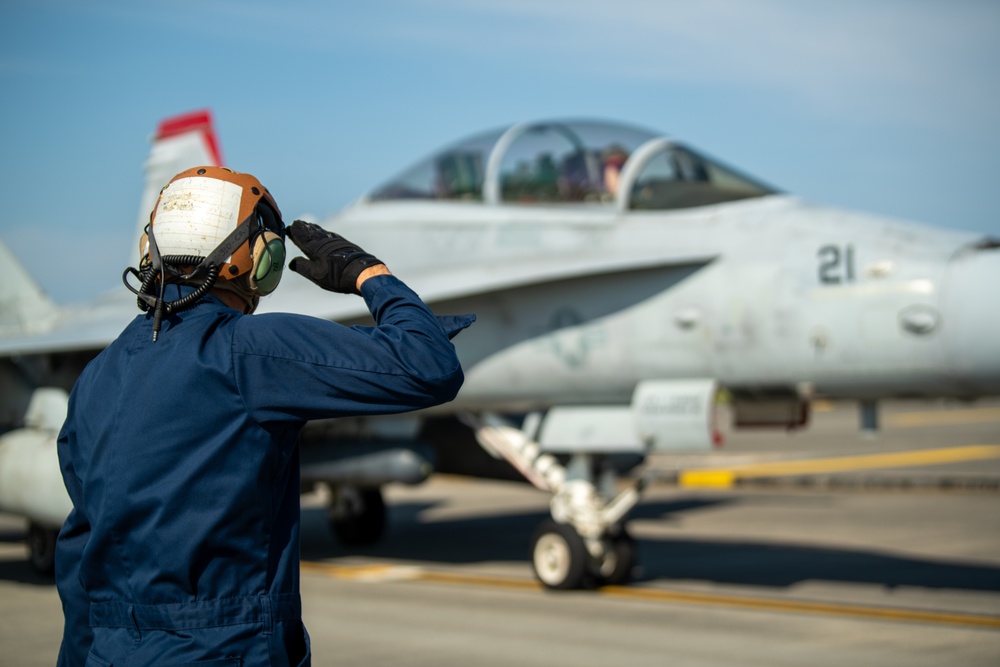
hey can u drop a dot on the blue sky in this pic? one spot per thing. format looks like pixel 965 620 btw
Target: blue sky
pixel 886 106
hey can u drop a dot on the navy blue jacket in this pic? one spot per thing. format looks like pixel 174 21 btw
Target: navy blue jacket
pixel 181 459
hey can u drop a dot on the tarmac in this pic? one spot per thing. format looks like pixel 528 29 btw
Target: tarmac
pixel 827 546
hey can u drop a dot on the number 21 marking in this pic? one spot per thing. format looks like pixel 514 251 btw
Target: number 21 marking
pixel 836 264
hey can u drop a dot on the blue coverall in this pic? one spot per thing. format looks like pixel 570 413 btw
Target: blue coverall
pixel 181 458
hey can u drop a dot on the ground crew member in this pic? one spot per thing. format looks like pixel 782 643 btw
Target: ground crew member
pixel 179 449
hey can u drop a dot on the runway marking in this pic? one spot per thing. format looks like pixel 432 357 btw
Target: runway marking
pixel 359 573
pixel 368 573
pixel 808 607
pixel 727 477
pixel 365 572
pixel 943 417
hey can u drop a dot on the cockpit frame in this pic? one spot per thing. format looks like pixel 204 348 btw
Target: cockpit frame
pixel 617 167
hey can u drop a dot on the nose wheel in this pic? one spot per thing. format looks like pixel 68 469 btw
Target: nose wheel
pixel 619 559
pixel 563 560
pixel 558 556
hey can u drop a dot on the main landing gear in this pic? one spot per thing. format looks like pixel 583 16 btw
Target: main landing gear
pixel 586 542
pixel 42 548
pixel 357 516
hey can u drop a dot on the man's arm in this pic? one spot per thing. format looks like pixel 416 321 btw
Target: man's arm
pixel 371 272
pixel 297 367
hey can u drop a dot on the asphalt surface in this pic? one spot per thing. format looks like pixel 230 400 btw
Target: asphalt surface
pixel 822 547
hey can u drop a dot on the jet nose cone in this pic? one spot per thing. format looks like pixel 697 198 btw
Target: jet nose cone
pixel 971 322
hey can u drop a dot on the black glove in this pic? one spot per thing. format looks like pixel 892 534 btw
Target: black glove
pixel 334 262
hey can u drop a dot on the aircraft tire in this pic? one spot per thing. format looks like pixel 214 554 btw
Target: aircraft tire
pixel 42 548
pixel 558 556
pixel 620 560
pixel 365 524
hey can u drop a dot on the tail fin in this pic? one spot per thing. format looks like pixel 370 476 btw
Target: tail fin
pixel 24 307
pixel 181 142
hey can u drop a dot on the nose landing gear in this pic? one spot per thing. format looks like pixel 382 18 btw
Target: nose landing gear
pixel 586 542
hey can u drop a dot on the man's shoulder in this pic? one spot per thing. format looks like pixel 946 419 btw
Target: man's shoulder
pixel 269 327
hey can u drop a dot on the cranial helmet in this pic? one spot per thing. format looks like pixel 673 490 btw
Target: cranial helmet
pixel 226 217
pixel 211 227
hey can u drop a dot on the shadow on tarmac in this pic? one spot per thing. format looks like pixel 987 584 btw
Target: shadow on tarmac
pixel 16 568
pixel 19 571
pixel 506 538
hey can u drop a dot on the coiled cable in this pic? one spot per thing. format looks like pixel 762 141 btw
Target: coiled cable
pixel 152 283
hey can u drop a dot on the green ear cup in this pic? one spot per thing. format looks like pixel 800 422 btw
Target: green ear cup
pixel 268 272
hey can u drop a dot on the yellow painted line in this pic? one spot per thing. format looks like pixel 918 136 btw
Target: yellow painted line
pixel 481 580
pixel 375 572
pixel 363 572
pixel 944 417
pixel 807 607
pixel 680 597
pixel 725 477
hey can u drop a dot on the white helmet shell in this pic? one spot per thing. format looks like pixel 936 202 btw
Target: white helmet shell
pixel 195 214
pixel 200 207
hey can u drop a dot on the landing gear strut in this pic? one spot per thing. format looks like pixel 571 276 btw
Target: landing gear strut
pixel 586 541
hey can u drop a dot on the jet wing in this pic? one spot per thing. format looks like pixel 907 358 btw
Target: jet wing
pixel 76 329
pixel 31 324
pixel 93 328
pixel 443 284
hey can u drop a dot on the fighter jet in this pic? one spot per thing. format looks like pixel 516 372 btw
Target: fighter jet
pixel 622 280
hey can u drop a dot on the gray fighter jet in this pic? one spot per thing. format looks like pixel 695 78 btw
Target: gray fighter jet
pixel 623 281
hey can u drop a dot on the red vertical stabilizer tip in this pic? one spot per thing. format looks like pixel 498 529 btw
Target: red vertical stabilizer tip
pixel 192 121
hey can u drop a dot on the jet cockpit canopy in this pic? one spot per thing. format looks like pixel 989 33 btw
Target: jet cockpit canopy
pixel 572 162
